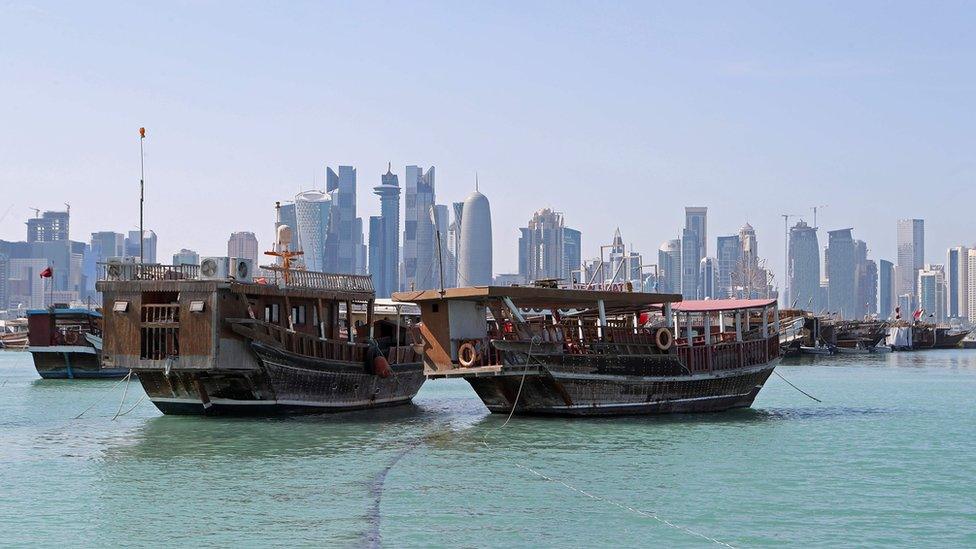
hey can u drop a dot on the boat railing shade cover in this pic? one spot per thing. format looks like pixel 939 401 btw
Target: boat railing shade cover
pixel 540 298
pixel 717 305
pixel 65 312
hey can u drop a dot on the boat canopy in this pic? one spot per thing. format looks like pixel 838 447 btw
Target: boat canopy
pixel 534 297
pixel 71 311
pixel 719 305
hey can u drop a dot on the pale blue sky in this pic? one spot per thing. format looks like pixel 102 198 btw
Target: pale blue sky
pixel 616 114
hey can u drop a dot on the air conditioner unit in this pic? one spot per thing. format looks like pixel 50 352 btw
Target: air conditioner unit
pixel 119 268
pixel 243 269
pixel 212 268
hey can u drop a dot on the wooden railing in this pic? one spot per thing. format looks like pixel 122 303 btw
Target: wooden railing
pixel 303 344
pixel 146 271
pixel 161 313
pixel 319 281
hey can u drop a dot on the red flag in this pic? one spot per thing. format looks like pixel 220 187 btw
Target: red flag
pixel 142 132
pixel 47 272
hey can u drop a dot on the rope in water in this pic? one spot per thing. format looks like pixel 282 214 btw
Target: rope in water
pixel 101 398
pixel 125 391
pixel 584 492
pixel 795 387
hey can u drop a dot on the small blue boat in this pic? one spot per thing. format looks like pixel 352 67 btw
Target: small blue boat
pixel 66 343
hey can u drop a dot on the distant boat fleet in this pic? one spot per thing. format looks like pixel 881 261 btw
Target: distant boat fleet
pixel 810 334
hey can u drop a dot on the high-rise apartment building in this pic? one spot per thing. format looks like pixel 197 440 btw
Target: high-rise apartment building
pixel 886 289
pixel 418 229
pixel 931 292
pixel 669 267
pixel 243 244
pixel 865 281
pixel 694 247
pixel 106 244
pixel 148 246
pixel 708 278
pixel 804 267
pixel 541 247
pixel 49 227
pixel 186 257
pixel 728 252
pixel 572 254
pixel 911 254
pixel 841 278
pixel 957 282
pixel 344 241
pixel 972 284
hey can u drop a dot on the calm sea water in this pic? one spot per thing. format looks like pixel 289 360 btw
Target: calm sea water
pixel 888 458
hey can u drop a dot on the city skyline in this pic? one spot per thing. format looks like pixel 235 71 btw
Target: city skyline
pixel 217 125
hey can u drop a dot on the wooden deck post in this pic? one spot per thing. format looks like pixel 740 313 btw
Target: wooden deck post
pixel 688 333
pixel 738 326
pixel 707 324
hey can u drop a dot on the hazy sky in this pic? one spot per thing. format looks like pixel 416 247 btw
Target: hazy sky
pixel 615 114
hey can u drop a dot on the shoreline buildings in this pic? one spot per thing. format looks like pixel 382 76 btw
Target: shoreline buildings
pixel 474 253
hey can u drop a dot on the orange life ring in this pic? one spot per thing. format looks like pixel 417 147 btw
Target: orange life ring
pixel 468 354
pixel 663 339
pixel 71 337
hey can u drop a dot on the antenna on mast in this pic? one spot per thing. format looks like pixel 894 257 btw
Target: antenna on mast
pixel 142 192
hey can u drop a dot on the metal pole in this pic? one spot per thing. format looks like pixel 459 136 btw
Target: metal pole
pixel 142 192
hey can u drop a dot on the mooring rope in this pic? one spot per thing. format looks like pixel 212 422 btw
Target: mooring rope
pixel 138 402
pixel 795 387
pixel 125 391
pixel 584 492
pixel 101 398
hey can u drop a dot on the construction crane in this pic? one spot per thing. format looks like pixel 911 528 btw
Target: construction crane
pixel 37 211
pixel 815 208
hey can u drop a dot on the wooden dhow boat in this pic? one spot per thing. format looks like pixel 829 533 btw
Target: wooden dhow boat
pixel 217 340
pixel 578 352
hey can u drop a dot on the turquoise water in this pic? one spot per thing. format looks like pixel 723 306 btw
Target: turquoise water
pixel 886 459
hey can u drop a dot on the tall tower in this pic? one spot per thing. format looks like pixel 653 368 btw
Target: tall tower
pixel 541 246
pixel 669 267
pixel 313 211
pixel 244 245
pixel 345 231
pixel 385 259
pixel 957 282
pixel 911 254
pixel 804 263
pixel 418 230
pixel 475 259
pixel 693 249
pixel 841 284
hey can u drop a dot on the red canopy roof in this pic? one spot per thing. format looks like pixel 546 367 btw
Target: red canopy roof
pixel 716 305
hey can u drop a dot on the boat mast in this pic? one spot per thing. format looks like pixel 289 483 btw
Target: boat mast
pixel 142 192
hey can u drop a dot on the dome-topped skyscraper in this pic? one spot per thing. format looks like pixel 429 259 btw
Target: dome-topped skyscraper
pixel 474 254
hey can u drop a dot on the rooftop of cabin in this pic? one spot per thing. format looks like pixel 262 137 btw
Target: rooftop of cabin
pixel 535 297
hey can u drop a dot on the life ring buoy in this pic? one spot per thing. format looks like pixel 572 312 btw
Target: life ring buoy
pixel 663 339
pixel 468 354
pixel 71 338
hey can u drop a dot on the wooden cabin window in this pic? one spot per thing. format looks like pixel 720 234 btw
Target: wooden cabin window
pixel 298 314
pixel 271 313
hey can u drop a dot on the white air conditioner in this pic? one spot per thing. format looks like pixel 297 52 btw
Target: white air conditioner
pixel 243 269
pixel 215 268
pixel 119 268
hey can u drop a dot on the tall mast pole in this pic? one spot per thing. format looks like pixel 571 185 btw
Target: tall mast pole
pixel 142 192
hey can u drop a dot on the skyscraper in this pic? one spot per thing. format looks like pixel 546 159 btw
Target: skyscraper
pixel 313 215
pixel 148 244
pixel 693 249
pixel 418 229
pixel 187 257
pixel 475 254
pixel 541 246
pixel 931 292
pixel 708 278
pixel 804 263
pixel 957 282
pixel 287 216
pixel 911 254
pixel 669 267
pixel 106 244
pixel 442 221
pixel 972 284
pixel 886 289
pixel 454 235
pixel 728 253
pixel 572 254
pixel 841 284
pixel 384 260
pixel 865 281
pixel 50 227
pixel 243 244
pixel 344 241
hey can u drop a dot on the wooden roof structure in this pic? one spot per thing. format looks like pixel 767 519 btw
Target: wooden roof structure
pixel 534 297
